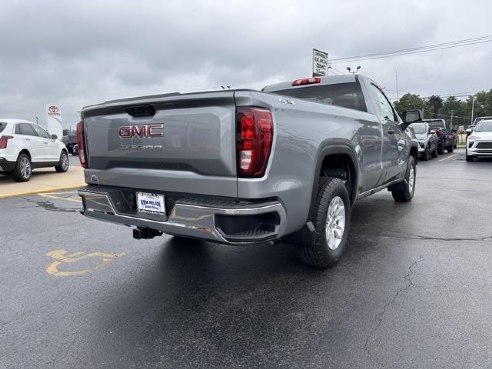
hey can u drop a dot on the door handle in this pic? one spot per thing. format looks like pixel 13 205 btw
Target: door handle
pixel 28 139
pixel 391 131
pixel 46 143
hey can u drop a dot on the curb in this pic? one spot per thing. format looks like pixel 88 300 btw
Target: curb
pixel 46 190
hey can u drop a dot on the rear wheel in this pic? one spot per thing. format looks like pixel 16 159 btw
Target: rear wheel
pixel 331 219
pixel 405 191
pixel 63 163
pixel 434 153
pixel 23 168
pixel 440 148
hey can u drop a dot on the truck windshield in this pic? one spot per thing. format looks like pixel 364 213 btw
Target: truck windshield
pixel 435 125
pixel 2 126
pixel 419 128
pixel 346 95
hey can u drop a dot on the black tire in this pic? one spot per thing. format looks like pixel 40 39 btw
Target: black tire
pixel 63 163
pixel 434 153
pixel 426 155
pixel 332 193
pixel 404 192
pixel 469 158
pixel 23 168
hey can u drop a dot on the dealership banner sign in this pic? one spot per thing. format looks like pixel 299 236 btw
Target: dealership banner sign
pixel 53 120
pixel 320 63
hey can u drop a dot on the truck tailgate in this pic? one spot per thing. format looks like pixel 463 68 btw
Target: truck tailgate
pixel 179 143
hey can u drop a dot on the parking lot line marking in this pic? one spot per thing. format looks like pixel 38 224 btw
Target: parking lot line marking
pixel 61 256
pixel 449 157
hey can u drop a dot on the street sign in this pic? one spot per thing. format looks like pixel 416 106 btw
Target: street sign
pixel 320 63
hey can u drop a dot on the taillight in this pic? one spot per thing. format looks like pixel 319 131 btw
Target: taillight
pixel 306 81
pixel 255 135
pixel 81 144
pixel 4 140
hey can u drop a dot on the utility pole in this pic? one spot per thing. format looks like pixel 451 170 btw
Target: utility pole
pixel 451 123
pixel 473 108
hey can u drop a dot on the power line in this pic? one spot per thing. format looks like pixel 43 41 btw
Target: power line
pixel 415 50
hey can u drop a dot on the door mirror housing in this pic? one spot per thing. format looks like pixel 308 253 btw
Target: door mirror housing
pixel 54 137
pixel 411 116
pixel 431 131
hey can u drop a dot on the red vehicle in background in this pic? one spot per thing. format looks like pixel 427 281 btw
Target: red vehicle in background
pixel 446 139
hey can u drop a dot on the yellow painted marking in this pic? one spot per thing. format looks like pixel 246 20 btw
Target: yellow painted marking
pixel 449 157
pixel 61 256
pixel 53 195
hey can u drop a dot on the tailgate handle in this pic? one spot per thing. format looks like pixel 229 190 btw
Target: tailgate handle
pixel 141 111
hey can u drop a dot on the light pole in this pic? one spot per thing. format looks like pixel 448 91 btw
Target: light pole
pixel 355 71
pixel 473 108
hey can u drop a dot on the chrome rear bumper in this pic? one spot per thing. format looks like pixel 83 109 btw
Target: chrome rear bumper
pixel 231 222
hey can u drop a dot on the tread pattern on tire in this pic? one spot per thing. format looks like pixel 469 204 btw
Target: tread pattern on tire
pixel 314 255
pixel 405 196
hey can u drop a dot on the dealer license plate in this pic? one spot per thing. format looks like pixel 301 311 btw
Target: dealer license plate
pixel 151 203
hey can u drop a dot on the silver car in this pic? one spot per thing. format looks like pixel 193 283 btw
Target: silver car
pixel 427 140
pixel 479 143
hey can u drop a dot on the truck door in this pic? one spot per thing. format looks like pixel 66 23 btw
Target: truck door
pixel 394 139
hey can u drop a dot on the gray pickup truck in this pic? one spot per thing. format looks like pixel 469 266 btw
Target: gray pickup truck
pixel 244 166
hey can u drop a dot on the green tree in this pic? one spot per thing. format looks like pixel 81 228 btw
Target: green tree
pixel 435 103
pixel 408 102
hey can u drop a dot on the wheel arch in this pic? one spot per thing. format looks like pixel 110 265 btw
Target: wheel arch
pixel 337 159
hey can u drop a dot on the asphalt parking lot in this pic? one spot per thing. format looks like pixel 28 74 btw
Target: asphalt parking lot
pixel 414 289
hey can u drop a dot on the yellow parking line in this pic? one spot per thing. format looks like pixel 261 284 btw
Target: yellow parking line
pixel 449 157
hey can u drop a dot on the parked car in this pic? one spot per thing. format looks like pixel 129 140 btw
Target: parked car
pixel 25 146
pixel 479 143
pixel 445 137
pixel 70 140
pixel 75 150
pixel 474 123
pixel 427 139
pixel 245 167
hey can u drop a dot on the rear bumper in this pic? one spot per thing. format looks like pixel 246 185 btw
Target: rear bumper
pixel 219 220
pixel 6 165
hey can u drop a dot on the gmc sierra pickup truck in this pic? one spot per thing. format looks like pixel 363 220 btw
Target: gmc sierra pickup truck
pixel 244 166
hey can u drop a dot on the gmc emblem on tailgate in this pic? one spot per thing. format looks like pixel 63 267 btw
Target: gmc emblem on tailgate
pixel 140 131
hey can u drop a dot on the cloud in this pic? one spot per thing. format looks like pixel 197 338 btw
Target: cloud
pixel 81 53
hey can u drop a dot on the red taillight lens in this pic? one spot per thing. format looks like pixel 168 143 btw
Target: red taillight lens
pixel 4 140
pixel 255 135
pixel 81 144
pixel 306 81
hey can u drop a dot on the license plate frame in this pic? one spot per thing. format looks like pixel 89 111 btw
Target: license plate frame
pixel 151 203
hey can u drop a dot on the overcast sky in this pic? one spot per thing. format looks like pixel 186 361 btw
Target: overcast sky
pixel 76 53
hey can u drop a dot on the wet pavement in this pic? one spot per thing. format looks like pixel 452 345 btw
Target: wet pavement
pixel 414 289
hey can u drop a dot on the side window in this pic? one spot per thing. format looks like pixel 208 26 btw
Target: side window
pixel 384 105
pixel 24 129
pixel 41 132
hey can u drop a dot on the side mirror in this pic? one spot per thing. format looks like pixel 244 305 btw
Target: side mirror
pixel 411 116
pixel 54 137
pixel 431 131
pixel 468 131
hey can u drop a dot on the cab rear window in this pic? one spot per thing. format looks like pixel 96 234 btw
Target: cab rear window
pixel 2 126
pixel 347 95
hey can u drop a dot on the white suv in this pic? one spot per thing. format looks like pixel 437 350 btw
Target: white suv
pixel 25 146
